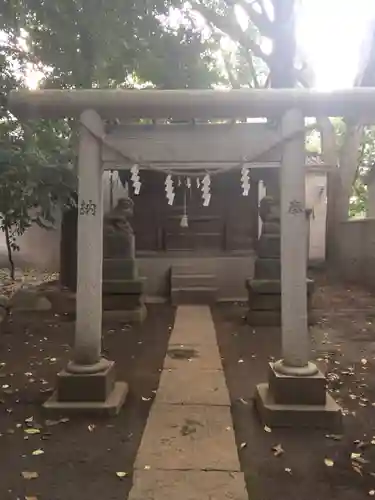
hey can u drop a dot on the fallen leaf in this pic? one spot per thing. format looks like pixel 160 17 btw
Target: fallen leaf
pixel 355 456
pixel 335 437
pixel 364 361
pixel 29 475
pixel 121 474
pixel 29 419
pixel 38 452
pixel 147 467
pixel 288 470
pixel 267 429
pixel 145 399
pixel 243 445
pixel 32 430
pixel 240 361
pixel 91 427
pixel 277 450
pixel 371 493
pixel 31 498
pixel 329 462
pixel 356 468
pixel 243 401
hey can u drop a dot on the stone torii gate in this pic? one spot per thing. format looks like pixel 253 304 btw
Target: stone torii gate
pixel 296 387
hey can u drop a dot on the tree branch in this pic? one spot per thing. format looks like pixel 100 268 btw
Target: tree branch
pixel 260 19
pixel 232 30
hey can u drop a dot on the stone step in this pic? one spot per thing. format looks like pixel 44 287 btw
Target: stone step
pixel 204 266
pixel 192 280
pixel 269 269
pixel 269 246
pixel 193 295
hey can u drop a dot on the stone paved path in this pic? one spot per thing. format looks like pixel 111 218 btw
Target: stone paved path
pixel 188 449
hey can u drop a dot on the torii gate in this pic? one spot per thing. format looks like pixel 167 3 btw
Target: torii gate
pixel 88 381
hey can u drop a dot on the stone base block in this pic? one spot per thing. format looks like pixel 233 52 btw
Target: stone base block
pixel 265 302
pixel 117 302
pixel 110 407
pixel 297 390
pixel 131 316
pixel 269 269
pixel 122 286
pixel 327 416
pixel 86 387
pixel 119 268
pixel 269 246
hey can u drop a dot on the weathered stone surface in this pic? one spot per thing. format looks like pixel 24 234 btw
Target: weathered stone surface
pixel 264 318
pixel 119 269
pixel 126 287
pixel 297 390
pixel 194 295
pixel 271 228
pixel 188 485
pixel 188 385
pixel 202 357
pixel 327 417
pixel 263 302
pixel 269 246
pixel 132 316
pixel 188 437
pixel 193 325
pixel 269 269
pixel 110 407
pixel 72 387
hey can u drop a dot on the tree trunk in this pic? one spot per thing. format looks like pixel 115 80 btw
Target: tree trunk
pixel 10 253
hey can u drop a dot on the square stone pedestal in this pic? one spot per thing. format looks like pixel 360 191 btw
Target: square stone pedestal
pixel 123 300
pixel 95 393
pixel 297 401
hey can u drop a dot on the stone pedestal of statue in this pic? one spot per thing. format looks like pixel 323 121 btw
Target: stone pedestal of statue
pixel 264 290
pixel 122 286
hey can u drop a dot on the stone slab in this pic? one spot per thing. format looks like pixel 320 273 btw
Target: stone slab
pixel 192 334
pixel 188 485
pixel 110 407
pixel 193 325
pixel 90 387
pixel 188 385
pixel 328 416
pixel 202 357
pixel 289 389
pixel 132 316
pixel 188 437
pixel 194 295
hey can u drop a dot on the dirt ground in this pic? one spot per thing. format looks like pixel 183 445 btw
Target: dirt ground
pixel 81 456
pixel 78 459
pixel 312 466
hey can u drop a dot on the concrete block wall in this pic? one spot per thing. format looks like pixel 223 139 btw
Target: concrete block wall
pixel 356 259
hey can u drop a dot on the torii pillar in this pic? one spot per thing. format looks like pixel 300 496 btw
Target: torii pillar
pixel 295 395
pixel 88 382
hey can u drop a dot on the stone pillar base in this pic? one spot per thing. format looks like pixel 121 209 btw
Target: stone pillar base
pixel 297 401
pixel 95 393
